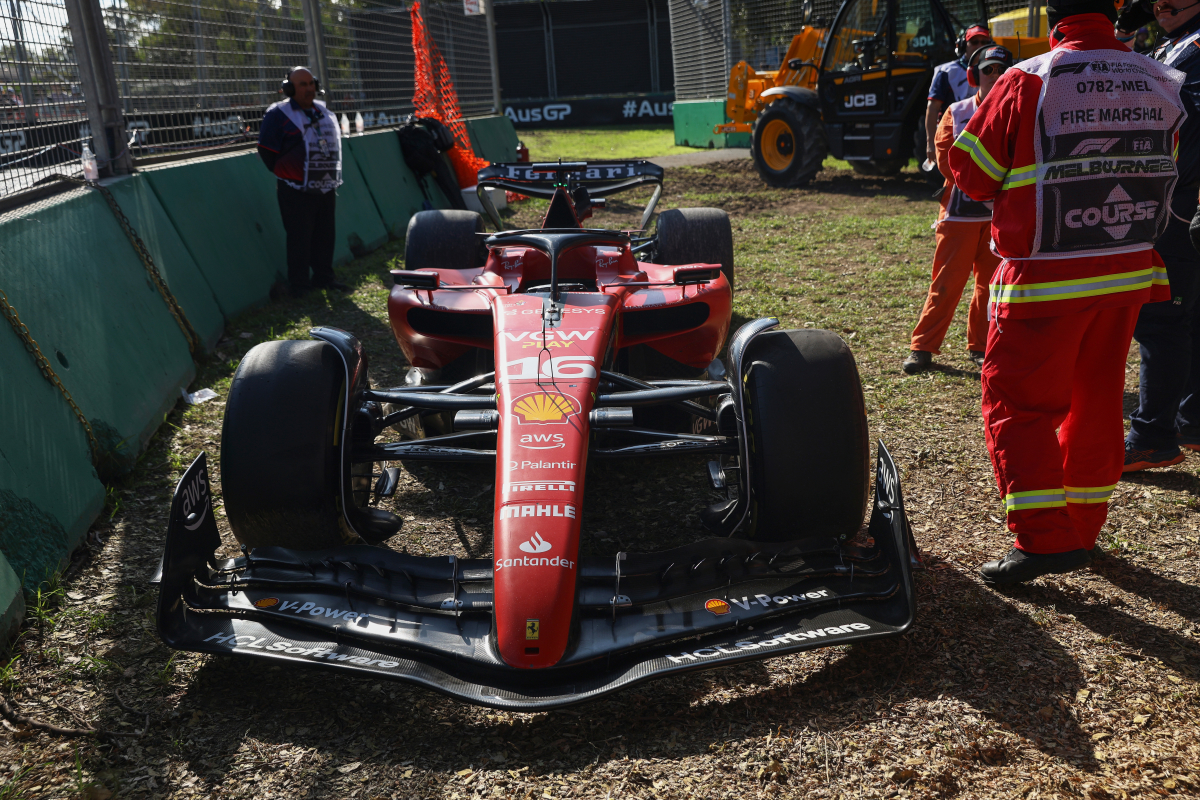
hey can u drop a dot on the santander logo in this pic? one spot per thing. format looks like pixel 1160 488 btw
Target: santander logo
pixel 536 544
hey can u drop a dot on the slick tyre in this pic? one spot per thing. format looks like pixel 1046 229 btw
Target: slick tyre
pixel 696 235
pixel 281 468
pixel 881 169
pixel 444 240
pixel 807 422
pixel 788 143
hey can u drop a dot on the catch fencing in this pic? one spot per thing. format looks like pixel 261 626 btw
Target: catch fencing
pixel 551 50
pixel 710 36
pixel 172 78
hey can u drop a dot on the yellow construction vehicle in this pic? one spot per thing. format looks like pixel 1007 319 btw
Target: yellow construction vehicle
pixel 857 89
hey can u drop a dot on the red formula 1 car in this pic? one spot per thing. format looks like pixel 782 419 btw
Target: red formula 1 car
pixel 538 351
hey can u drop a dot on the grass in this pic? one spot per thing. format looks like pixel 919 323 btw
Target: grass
pixel 1081 686
pixel 613 142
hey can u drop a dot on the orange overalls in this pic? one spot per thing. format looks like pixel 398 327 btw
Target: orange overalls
pixel 963 245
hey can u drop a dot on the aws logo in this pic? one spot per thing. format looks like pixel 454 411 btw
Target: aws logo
pixel 542 408
pixel 542 441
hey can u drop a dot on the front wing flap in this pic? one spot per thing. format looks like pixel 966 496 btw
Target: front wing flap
pixel 428 620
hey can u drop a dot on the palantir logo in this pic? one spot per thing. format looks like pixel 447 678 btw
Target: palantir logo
pixel 536 544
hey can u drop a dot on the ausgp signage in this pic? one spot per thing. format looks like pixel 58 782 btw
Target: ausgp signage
pixel 576 112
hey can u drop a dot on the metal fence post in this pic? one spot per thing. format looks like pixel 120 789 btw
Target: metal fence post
pixel 98 79
pixel 491 31
pixel 551 78
pixel 1033 27
pixel 315 33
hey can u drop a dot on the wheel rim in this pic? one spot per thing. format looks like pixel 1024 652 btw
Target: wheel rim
pixel 778 145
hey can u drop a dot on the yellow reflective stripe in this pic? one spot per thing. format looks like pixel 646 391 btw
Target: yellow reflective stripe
pixel 1022 176
pixel 1038 498
pixel 1088 494
pixel 979 154
pixel 1080 287
pixel 1160 277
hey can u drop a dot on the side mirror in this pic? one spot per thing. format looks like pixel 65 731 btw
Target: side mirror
pixel 684 276
pixel 415 279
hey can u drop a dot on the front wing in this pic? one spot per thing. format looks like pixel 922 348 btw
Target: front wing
pixel 427 621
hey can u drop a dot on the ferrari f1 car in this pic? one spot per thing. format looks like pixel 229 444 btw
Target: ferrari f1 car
pixel 541 350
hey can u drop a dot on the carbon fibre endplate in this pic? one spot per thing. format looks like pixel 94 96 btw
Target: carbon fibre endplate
pixel 427 621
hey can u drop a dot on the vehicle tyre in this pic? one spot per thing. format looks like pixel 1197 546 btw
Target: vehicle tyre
pixel 882 169
pixel 807 421
pixel 444 239
pixel 788 143
pixel 281 470
pixel 695 235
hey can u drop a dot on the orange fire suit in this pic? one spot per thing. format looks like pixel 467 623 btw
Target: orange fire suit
pixel 1076 148
pixel 963 237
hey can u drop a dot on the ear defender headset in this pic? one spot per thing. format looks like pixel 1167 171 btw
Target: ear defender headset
pixel 289 89
pixel 990 53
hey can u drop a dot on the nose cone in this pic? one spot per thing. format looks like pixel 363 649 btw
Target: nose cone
pixel 534 581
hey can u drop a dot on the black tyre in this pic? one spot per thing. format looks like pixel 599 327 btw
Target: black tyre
pixel 788 143
pixel 281 470
pixel 696 235
pixel 809 453
pixel 882 169
pixel 444 240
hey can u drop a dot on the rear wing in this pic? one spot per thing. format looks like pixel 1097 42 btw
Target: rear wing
pixel 599 178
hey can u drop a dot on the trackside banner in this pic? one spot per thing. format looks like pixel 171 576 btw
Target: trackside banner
pixel 582 112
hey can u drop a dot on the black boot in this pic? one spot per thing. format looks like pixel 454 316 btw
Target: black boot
pixel 1019 566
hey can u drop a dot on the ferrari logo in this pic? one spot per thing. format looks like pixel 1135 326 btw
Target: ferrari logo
pixel 531 629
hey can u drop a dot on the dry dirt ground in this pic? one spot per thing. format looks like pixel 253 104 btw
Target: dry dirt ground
pixel 1082 685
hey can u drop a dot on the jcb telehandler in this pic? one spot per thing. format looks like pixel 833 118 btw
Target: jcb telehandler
pixel 855 91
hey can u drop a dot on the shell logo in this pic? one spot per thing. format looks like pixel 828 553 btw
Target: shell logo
pixel 541 408
pixel 266 602
pixel 717 606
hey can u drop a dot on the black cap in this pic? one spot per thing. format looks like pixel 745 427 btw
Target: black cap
pixel 994 55
pixel 1061 9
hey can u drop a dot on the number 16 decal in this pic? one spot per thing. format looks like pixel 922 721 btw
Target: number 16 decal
pixel 561 367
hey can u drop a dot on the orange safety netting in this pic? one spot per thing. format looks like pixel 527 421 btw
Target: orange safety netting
pixel 434 96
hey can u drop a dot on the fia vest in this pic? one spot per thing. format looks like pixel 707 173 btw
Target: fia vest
pixel 960 208
pixel 1104 149
pixel 322 147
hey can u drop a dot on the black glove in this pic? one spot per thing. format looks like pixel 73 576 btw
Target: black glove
pixel 1135 16
pixel 1194 230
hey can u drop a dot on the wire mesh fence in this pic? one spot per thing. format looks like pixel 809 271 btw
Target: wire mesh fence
pixel 193 75
pixel 43 122
pixel 710 36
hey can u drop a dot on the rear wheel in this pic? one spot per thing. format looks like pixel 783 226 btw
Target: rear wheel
pixel 788 143
pixel 807 423
pixel 882 169
pixel 444 240
pixel 695 235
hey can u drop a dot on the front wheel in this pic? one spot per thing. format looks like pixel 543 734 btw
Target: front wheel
pixel 807 423
pixel 788 143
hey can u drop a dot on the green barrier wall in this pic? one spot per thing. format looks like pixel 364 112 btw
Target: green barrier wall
pixel 213 228
pixel 694 121
pixel 77 283
pixel 139 203
pixel 391 183
pixel 359 226
pixel 493 138
pixel 228 218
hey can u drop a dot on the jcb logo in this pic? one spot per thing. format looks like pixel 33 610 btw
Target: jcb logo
pixel 859 101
